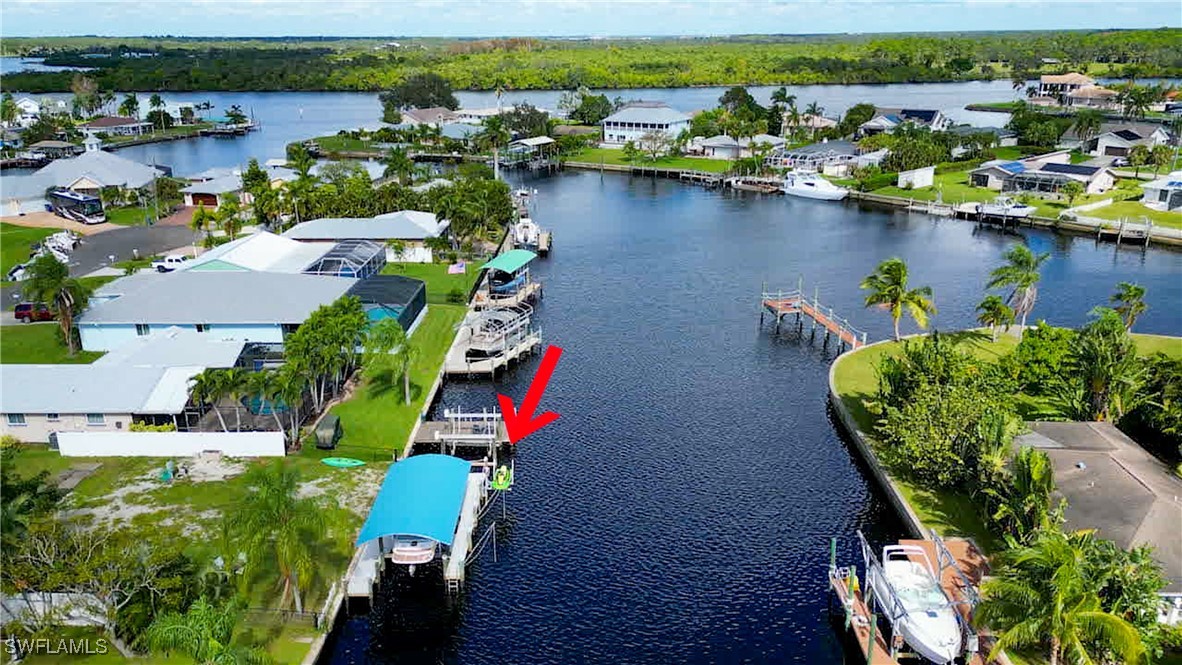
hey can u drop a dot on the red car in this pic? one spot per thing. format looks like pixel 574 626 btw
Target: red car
pixel 29 312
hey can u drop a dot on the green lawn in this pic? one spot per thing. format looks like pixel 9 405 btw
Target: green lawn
pixel 1134 211
pixel 177 130
pixel 15 242
pixel 949 513
pixel 439 283
pixel 956 189
pixel 37 343
pixel 131 215
pixel 375 420
pixel 613 156
pixel 336 143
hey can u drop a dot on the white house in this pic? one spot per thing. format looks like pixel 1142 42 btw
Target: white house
pixel 252 306
pixel 1164 193
pixel 1059 86
pixel 1118 142
pixel 30 110
pixel 719 147
pixel 411 227
pixel 888 119
pixel 111 124
pixel 639 118
pixel 435 115
pixel 1092 96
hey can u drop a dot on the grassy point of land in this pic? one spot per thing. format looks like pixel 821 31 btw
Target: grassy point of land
pixel 616 157
pixel 439 282
pixel 1134 211
pixel 856 381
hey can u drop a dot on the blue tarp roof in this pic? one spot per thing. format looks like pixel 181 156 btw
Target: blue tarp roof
pixel 421 496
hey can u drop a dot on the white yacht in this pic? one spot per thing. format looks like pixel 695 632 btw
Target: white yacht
pixel 526 234
pixel 812 186
pixel 1005 206
pixel 907 587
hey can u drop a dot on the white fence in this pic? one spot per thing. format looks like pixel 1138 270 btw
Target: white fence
pixel 170 444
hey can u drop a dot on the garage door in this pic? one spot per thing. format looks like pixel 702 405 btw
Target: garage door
pixel 1115 151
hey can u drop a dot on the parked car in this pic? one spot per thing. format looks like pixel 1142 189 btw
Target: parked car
pixel 29 312
pixel 170 263
pixel 1120 161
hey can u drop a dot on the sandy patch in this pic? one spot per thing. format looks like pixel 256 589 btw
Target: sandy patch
pixel 48 220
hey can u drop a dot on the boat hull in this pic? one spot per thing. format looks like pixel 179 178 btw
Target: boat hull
pixel 820 195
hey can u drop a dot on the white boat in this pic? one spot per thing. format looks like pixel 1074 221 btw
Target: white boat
pixel 411 550
pixel 907 586
pixel 1004 206
pixel 812 186
pixel 526 234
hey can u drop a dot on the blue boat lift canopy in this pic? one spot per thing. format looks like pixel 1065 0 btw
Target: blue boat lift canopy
pixel 421 496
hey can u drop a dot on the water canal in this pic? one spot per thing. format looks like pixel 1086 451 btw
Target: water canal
pixel 679 511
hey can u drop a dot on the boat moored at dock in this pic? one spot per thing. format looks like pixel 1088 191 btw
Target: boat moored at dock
pixel 811 185
pixel 507 282
pixel 1006 208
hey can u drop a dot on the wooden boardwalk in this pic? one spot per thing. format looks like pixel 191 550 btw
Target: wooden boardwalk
pixel 784 303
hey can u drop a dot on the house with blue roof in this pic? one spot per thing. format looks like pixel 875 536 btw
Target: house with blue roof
pixel 1045 174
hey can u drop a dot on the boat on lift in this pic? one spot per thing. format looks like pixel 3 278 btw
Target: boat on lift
pixel 908 587
pixel 526 234
pixel 1006 208
pixel 412 550
pixel 810 185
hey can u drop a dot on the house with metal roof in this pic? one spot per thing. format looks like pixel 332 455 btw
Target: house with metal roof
pixel 636 119
pixel 1164 193
pixel 260 251
pixel 38 400
pixel 176 347
pixel 1118 141
pixel 94 170
pixel 249 305
pixel 726 147
pixel 410 227
pixel 435 115
pixel 888 119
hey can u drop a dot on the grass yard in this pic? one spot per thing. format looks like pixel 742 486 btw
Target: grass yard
pixel 1134 211
pixel 375 420
pixel 131 215
pixel 336 143
pixel 439 283
pixel 37 343
pixel 15 242
pixel 856 381
pixel 614 156
pixel 956 189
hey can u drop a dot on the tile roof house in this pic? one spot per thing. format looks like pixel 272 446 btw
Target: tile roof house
pixel 1092 96
pixel 1059 86
pixel 636 119
pixel 435 115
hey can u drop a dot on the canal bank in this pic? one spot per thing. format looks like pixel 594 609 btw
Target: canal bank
pixel 680 508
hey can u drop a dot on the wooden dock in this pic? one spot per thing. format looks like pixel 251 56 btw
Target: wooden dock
pixel 880 649
pixel 456 562
pixel 780 304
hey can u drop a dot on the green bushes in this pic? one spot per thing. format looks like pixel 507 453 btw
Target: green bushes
pixel 1039 357
pixel 877 181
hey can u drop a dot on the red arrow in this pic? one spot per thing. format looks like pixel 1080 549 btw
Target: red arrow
pixel 520 423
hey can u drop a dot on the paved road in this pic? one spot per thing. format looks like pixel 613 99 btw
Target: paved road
pixel 95 251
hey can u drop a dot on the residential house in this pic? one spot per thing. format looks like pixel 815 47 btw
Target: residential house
pixel 1002 137
pixel 718 147
pixel 209 192
pixel 30 110
pixel 828 157
pixel 435 115
pixel 1164 193
pixel 888 119
pixel 994 173
pixel 639 118
pixel 54 149
pixel 1119 142
pixel 1040 177
pixel 11 138
pixel 1071 138
pixel 231 303
pixel 1058 86
pixel 812 122
pixel 115 125
pixel 1093 97
pixel 91 171
pixel 477 116
pixel 411 227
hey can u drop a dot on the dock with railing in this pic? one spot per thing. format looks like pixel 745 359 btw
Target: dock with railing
pixel 783 304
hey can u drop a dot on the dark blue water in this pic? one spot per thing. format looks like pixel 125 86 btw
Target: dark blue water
pixel 679 511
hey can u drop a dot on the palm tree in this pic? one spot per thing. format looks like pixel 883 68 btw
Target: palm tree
pixel 49 282
pixel 1139 155
pixel 814 111
pixel 794 119
pixel 1087 123
pixel 1021 273
pixel 204 633
pixel 1043 598
pixel 1130 302
pixel 229 215
pixel 399 165
pixel 780 96
pixel 1024 503
pixel 494 135
pixel 130 107
pixel 277 524
pixel 888 290
pixel 388 349
pixel 995 312
pixel 234 384
pixel 208 388
pixel 156 103
pixel 201 222
pixel 287 389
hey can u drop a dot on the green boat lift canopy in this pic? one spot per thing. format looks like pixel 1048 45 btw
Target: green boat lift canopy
pixel 511 261
pixel 421 496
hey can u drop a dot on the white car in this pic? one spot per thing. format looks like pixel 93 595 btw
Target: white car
pixel 170 263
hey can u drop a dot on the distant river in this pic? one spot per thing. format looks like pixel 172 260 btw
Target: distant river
pixel 680 509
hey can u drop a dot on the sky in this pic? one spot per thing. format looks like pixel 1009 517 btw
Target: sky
pixel 477 18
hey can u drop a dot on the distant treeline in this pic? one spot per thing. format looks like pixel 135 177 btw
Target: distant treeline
pixel 526 63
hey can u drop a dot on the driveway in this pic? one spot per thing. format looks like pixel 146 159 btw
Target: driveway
pixel 96 251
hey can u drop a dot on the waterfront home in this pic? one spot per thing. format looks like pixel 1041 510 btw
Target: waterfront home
pixel 993 173
pixel 435 116
pixel 1002 137
pixel 115 125
pixel 41 400
pixel 810 121
pixel 210 192
pixel 888 119
pixel 247 305
pixel 1040 177
pixel 829 157
pixel 1093 97
pixel 1165 193
pixel 477 116
pixel 54 149
pixel 1114 486
pixel 411 228
pixel 636 119
pixel 1118 142
pixel 29 110
pixel 87 173
pixel 717 147
pixel 267 252
pixel 1058 86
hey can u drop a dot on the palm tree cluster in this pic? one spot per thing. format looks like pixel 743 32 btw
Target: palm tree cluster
pixel 889 290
